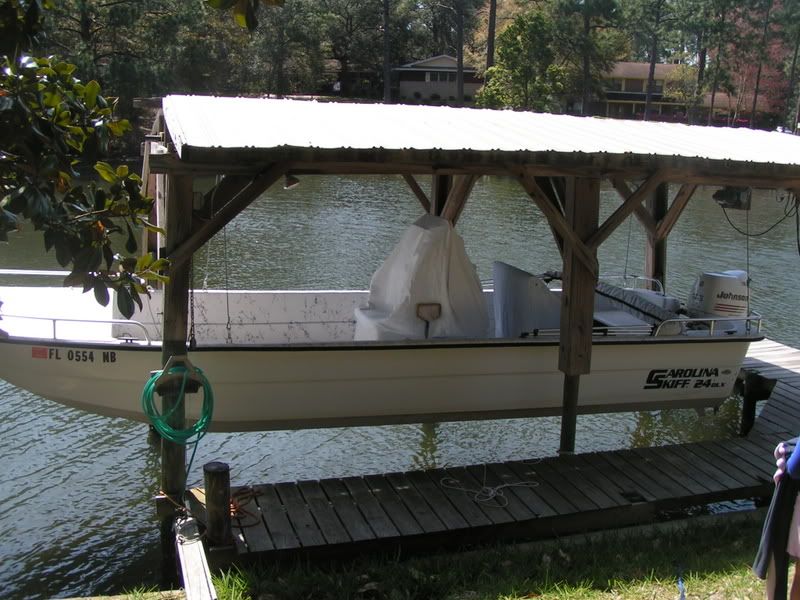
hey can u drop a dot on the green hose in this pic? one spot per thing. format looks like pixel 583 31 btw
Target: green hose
pixel 190 435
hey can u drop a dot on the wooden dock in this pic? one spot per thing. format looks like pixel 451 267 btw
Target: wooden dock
pixel 535 498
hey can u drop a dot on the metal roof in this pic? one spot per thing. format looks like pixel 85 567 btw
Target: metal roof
pixel 263 130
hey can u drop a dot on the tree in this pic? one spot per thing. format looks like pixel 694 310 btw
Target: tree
pixel 650 22
pixel 586 34
pixel 49 122
pixel 525 75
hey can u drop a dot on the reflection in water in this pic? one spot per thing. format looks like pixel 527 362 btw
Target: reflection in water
pixel 425 457
pixel 678 426
pixel 76 490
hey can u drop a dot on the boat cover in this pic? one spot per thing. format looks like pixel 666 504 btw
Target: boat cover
pixel 522 302
pixel 429 265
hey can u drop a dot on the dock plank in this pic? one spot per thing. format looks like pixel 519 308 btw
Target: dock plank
pixel 347 510
pixel 274 515
pixel 446 511
pixel 416 503
pixel 377 518
pixel 401 517
pixel 462 481
pixel 326 518
pixel 299 515
pixel 516 507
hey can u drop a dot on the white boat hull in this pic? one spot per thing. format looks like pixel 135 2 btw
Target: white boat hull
pixel 282 387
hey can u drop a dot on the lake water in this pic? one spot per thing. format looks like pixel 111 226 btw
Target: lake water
pixel 75 491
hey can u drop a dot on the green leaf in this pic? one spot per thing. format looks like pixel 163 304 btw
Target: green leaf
pixel 122 171
pixel 130 245
pixel 144 262
pixel 106 171
pixel 76 279
pixel 124 302
pixel 63 252
pixel 221 4
pixel 90 93
pixel 101 293
pixel 154 228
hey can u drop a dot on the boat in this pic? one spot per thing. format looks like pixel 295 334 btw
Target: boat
pixel 526 345
pixel 427 342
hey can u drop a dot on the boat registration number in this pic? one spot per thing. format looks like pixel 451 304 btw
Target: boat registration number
pixel 73 354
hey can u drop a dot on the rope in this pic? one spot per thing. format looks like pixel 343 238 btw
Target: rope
pixel 160 422
pixel 486 494
pixel 628 251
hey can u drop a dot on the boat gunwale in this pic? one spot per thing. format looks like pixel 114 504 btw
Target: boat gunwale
pixel 355 346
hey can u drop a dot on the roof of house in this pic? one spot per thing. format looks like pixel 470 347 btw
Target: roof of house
pixel 257 131
pixel 434 63
pixel 639 70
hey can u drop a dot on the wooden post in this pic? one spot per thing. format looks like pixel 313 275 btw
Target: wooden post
pixel 217 477
pixel 655 262
pixel 176 300
pixel 577 301
pixel 440 189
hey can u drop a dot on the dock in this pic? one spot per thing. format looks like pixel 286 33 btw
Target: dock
pixel 523 499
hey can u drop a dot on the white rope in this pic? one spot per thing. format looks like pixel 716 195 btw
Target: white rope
pixel 486 494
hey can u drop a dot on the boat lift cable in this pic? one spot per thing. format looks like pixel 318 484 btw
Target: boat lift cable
pixel 186 373
pixel 789 210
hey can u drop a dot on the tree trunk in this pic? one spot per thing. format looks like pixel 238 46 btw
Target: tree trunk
pixel 651 75
pixel 460 51
pixel 586 67
pixel 761 51
pixel 490 34
pixel 702 53
pixel 387 71
pixel 717 60
pixel 793 78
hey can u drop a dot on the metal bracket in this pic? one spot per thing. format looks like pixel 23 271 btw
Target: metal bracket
pixel 171 383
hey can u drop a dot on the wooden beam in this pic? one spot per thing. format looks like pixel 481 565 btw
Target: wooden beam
pixel 221 193
pixel 558 221
pixel 655 258
pixel 440 190
pixel 554 189
pixel 640 211
pixel 226 213
pixel 457 197
pixel 418 192
pixel 176 300
pixel 577 295
pixel 577 301
pixel 618 216
pixel 679 203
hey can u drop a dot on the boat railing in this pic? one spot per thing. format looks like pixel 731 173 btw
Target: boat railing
pixel 636 282
pixel 710 326
pixel 752 323
pixel 56 320
pixel 602 330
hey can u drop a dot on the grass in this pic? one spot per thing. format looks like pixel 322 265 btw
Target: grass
pixel 714 564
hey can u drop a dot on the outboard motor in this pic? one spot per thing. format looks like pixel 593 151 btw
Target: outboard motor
pixel 723 294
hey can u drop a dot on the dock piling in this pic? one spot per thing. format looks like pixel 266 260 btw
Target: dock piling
pixel 218 498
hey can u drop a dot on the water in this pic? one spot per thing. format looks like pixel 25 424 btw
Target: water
pixel 75 491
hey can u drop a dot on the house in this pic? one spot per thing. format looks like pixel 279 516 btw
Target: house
pixel 625 89
pixel 433 80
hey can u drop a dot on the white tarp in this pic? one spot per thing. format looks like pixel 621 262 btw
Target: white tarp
pixel 428 266
pixel 522 302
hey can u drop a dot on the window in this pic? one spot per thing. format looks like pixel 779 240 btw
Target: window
pixel 658 86
pixel 433 76
pixel 451 76
pixel 614 85
pixel 634 85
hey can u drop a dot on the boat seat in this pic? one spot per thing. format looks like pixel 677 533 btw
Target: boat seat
pixel 637 305
pixel 522 302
